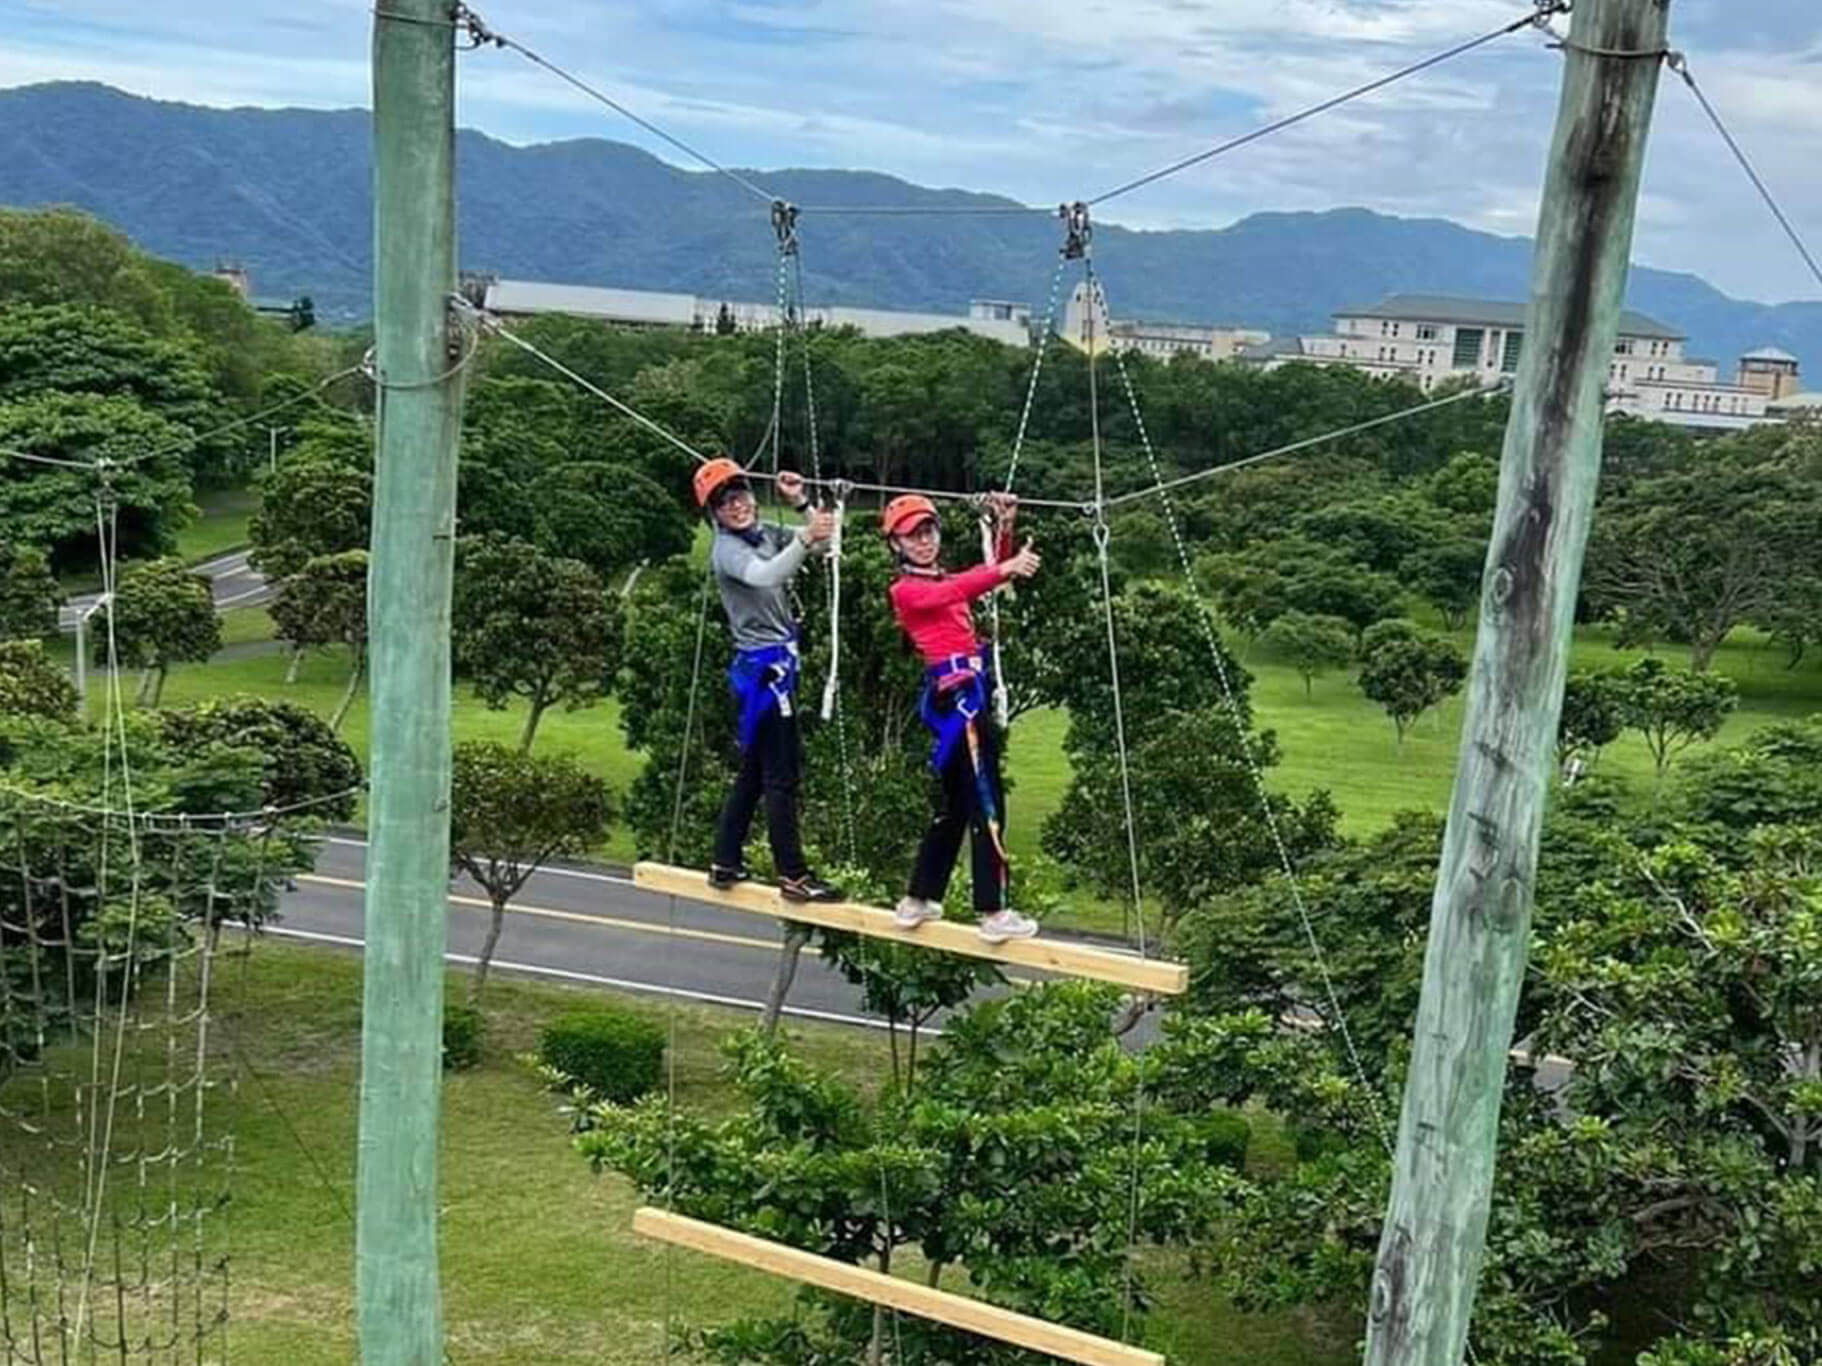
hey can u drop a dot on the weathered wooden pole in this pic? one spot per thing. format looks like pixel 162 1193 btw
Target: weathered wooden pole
pixel 1480 920
pixel 419 404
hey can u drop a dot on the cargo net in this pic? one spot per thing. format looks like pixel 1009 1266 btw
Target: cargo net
pixel 117 1093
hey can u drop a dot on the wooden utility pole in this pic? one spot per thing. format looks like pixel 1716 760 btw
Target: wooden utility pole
pixel 419 404
pixel 1480 920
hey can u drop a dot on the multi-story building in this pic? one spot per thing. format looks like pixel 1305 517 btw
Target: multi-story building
pixel 1002 321
pixel 1431 339
pixel 1771 372
pixel 1162 340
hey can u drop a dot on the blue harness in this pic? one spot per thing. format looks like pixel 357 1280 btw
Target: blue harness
pixel 763 681
pixel 966 679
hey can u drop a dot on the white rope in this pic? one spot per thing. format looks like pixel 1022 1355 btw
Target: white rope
pixel 1231 699
pixel 831 684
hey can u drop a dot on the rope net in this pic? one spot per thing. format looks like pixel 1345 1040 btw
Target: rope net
pixel 116 1109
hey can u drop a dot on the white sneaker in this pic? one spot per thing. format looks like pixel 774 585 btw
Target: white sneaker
pixel 913 911
pixel 1003 925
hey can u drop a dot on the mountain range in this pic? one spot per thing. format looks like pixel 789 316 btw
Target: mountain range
pixel 287 194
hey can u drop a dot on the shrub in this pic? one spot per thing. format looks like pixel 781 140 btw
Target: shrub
pixel 463 1027
pixel 616 1055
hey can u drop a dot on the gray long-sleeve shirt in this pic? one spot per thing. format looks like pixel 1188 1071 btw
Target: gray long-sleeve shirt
pixel 754 579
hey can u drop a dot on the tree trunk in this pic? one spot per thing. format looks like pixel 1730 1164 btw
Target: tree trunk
pixel 1701 653
pixel 355 675
pixel 485 959
pixel 1137 1007
pixel 297 659
pixel 796 935
pixel 892 1039
pixel 158 677
pixel 934 1276
pixel 145 687
pixel 532 717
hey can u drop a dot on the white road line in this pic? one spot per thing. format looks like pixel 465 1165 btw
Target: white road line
pixel 563 974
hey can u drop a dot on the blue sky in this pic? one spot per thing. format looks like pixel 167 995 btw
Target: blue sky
pixel 1052 99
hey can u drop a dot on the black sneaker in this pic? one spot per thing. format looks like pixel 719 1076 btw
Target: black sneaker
pixel 809 887
pixel 721 879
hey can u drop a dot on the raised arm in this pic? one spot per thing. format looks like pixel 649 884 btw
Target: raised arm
pixel 739 561
pixel 920 594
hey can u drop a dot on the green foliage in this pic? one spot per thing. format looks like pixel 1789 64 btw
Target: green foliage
pixel 325 603
pixel 1592 715
pixel 73 350
pixel 59 256
pixel 302 762
pixel 1672 708
pixel 1014 1159
pixel 1310 645
pixel 1197 807
pixel 33 684
pixel 54 509
pixel 464 1033
pixel 618 1057
pixel 28 594
pixel 1447 575
pixel 1407 670
pixel 529 625
pixel 1689 555
pixel 1774 778
pixel 1468 485
pixel 311 506
pixel 162 615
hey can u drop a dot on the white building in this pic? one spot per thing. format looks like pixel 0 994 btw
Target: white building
pixel 1430 339
pixel 1162 340
pixel 1001 321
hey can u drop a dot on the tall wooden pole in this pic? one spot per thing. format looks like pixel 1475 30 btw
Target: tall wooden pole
pixel 420 407
pixel 1480 920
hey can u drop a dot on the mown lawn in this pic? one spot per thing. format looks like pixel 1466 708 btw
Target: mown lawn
pixel 221 527
pixel 539 1263
pixel 1334 738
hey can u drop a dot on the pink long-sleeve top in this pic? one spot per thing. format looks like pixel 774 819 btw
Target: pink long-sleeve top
pixel 937 609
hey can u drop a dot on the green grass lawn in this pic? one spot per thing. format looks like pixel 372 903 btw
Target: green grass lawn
pixel 539 1264
pixel 1333 738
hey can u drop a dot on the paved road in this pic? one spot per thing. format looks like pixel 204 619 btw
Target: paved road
pixel 236 584
pixel 589 926
pixel 593 927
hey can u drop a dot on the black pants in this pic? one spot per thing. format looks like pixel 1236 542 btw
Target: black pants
pixel 768 769
pixel 962 812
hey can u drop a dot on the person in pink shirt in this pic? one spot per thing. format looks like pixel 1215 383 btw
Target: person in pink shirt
pixel 936 610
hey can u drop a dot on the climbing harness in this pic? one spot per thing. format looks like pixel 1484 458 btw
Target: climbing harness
pixel 763 681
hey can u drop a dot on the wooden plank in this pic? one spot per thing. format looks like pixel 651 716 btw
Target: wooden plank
pixel 863 1283
pixel 1156 975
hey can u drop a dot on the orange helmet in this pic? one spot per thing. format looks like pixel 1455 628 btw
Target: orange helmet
pixel 714 475
pixel 905 512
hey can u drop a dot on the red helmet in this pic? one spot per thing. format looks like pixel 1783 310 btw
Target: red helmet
pixel 905 512
pixel 714 475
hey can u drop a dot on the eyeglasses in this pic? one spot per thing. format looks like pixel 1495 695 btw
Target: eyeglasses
pixel 739 493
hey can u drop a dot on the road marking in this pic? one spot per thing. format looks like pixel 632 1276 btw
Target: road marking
pixel 563 974
pixel 606 922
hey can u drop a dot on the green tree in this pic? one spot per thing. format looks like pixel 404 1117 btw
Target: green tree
pixel 63 256
pixel 1468 485
pixel 28 594
pixel 530 625
pixel 1407 670
pixel 325 603
pixel 510 813
pixel 1012 1158
pixel 1197 810
pixel 32 684
pixel 1310 645
pixel 608 517
pixel 1672 709
pixel 162 615
pixel 54 508
pixel 66 349
pixel 1446 573
pixel 1592 715
pixel 1691 555
pixel 304 766
pixel 309 507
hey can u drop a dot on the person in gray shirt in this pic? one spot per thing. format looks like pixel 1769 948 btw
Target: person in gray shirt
pixel 754 563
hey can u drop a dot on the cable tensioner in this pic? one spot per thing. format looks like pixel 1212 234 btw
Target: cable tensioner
pixel 1076 230
pixel 784 223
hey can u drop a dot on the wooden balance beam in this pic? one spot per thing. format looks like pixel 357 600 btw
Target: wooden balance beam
pixel 1155 975
pixel 862 1283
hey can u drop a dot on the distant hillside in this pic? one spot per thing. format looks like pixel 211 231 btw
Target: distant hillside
pixel 286 192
